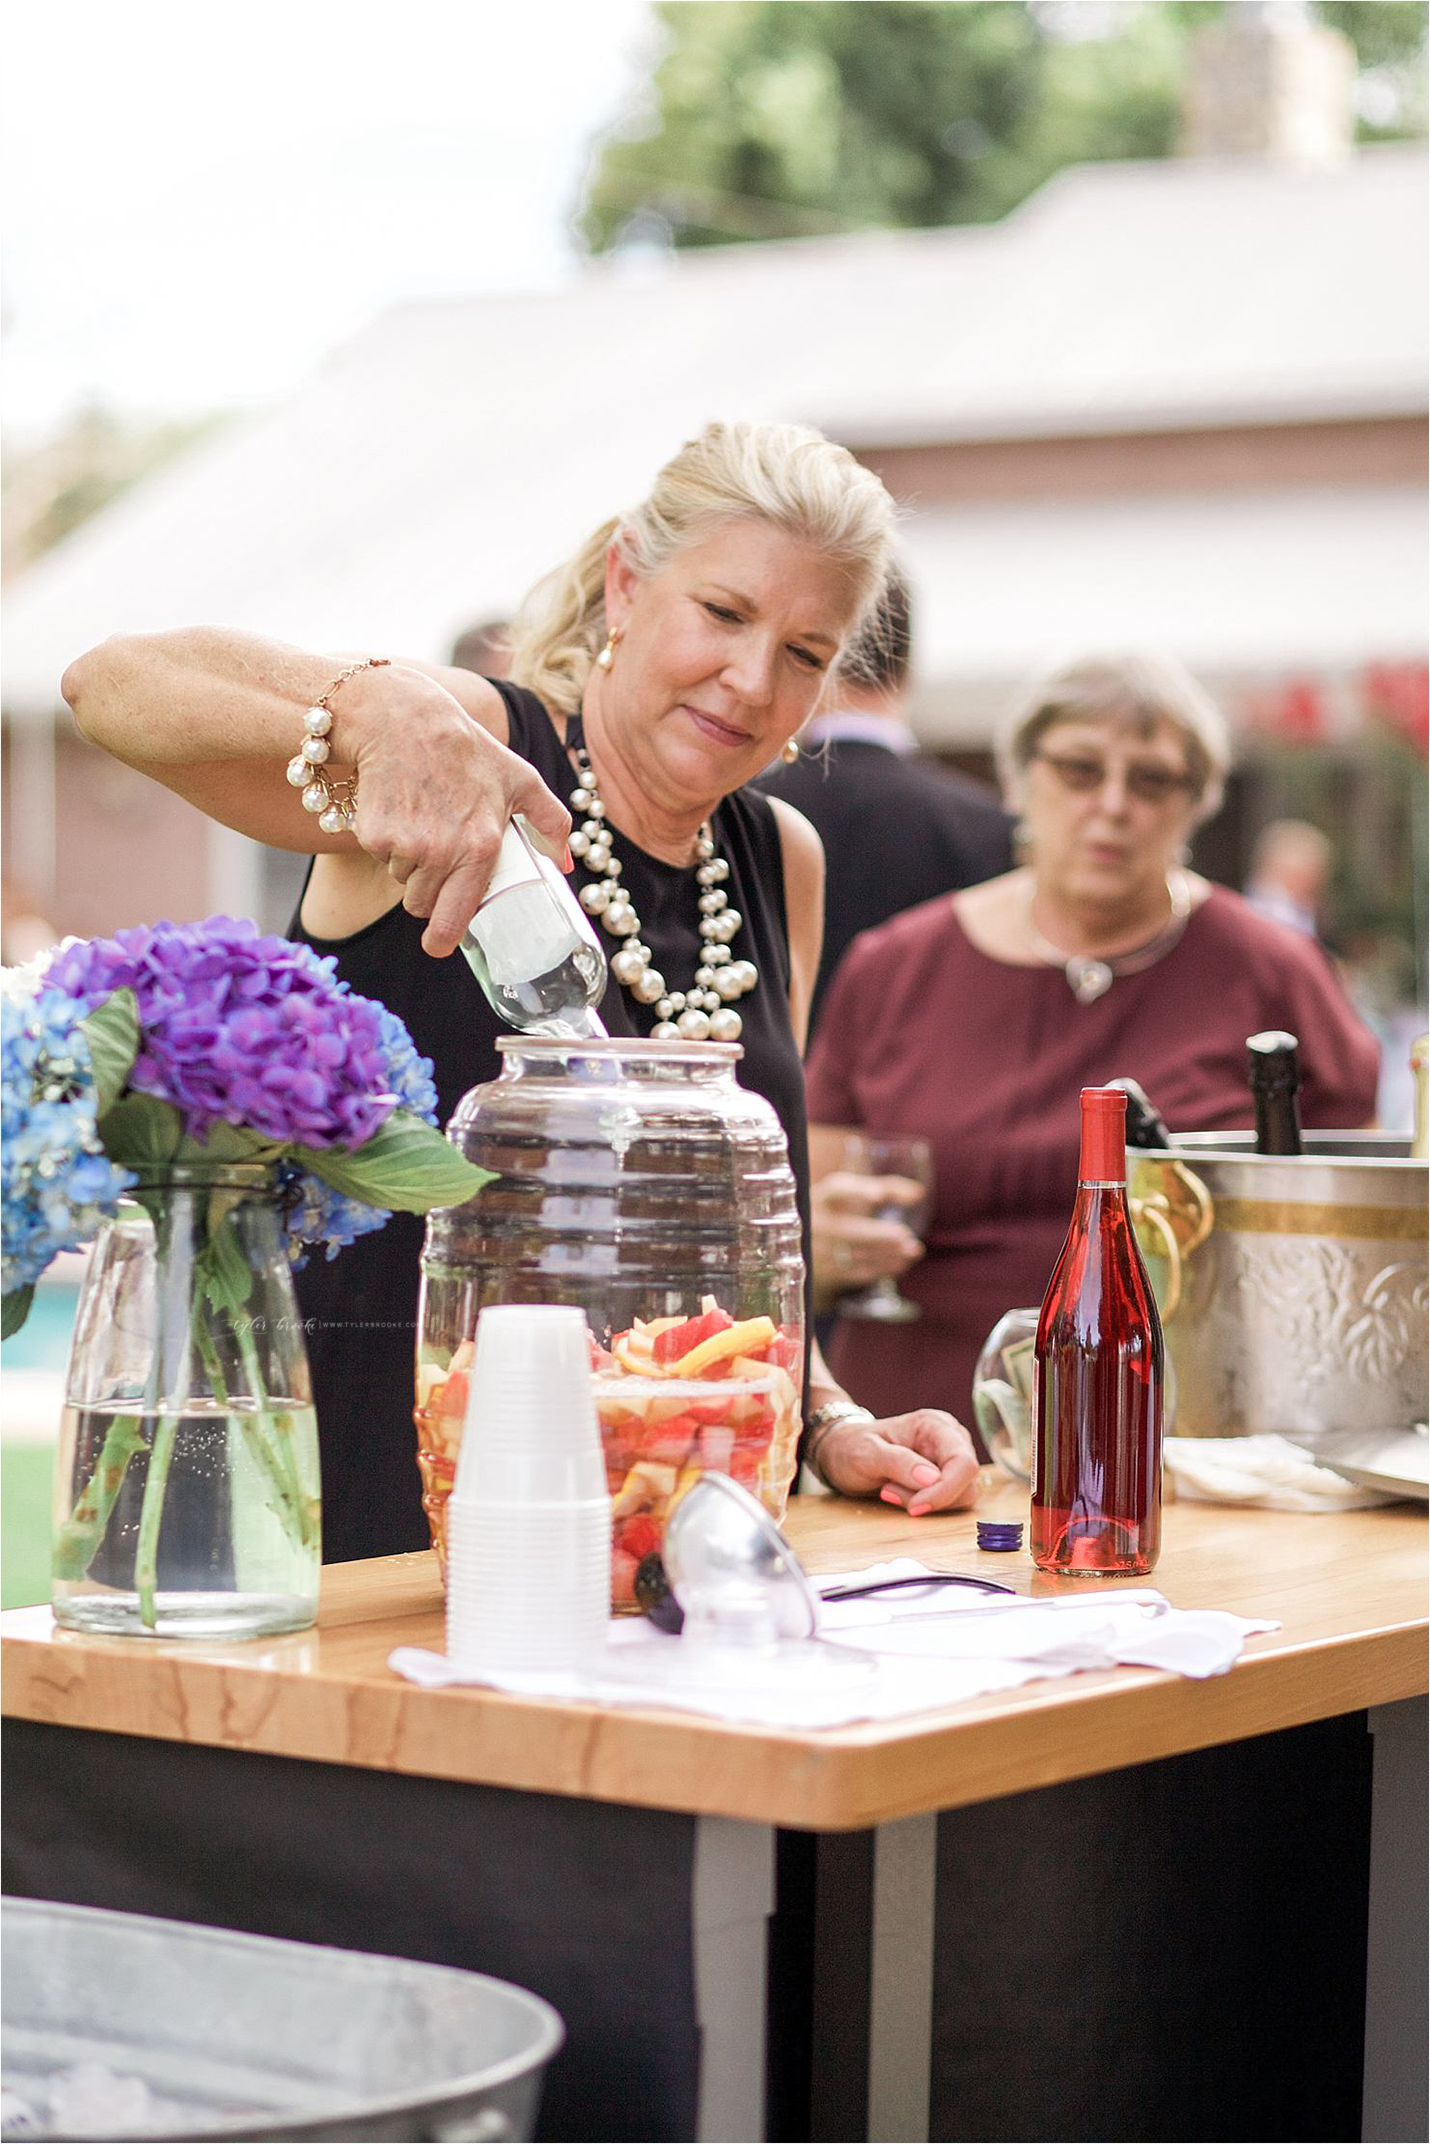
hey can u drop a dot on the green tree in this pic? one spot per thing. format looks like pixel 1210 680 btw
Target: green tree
pixel 780 118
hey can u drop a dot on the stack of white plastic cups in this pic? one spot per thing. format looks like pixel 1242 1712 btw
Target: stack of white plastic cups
pixel 529 1521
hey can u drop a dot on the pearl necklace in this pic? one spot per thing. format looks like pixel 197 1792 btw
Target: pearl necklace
pixel 1089 974
pixel 705 1012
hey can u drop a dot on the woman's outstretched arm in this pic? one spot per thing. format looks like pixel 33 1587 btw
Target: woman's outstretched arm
pixel 216 715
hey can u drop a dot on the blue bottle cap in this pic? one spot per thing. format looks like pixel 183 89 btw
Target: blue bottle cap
pixel 1001 1535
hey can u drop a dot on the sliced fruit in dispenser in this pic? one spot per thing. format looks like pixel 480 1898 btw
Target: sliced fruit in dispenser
pixel 680 1397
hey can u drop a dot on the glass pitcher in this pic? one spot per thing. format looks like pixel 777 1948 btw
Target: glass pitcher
pixel 640 1182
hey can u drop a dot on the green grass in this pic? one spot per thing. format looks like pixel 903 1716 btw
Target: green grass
pixel 25 1471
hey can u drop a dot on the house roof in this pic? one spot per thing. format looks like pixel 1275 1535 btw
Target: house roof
pixel 451 451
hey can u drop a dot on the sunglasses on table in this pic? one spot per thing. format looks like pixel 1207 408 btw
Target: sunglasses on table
pixel 1148 783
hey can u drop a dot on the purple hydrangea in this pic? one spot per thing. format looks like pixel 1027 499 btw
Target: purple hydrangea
pixel 319 1214
pixel 246 1029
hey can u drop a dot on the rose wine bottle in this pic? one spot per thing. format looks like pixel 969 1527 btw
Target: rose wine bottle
pixel 1275 1076
pixel 1097 1377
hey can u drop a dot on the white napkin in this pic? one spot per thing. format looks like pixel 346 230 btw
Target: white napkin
pixel 936 1650
pixel 1269 1471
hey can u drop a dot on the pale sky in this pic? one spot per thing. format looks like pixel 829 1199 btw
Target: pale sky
pixel 200 196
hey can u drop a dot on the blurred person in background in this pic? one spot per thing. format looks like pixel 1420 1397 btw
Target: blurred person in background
pixel 1290 874
pixel 897 827
pixel 975 1020
pixel 484 649
pixel 1289 879
pixel 1387 987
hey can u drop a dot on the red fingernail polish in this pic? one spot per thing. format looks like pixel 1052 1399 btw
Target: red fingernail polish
pixel 568 861
pixel 889 1494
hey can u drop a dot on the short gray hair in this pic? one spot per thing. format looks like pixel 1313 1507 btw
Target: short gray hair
pixel 1137 691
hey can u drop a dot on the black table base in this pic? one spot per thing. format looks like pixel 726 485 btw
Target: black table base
pixel 1176 1951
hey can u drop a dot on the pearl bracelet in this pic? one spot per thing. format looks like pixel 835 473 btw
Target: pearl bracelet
pixel 334 802
pixel 819 1424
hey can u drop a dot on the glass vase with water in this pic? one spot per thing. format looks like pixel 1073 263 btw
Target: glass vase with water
pixel 186 1482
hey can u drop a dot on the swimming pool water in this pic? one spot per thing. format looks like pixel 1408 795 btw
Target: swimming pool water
pixel 43 1341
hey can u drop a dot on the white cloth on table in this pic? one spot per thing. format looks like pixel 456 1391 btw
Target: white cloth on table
pixel 936 1650
pixel 1268 1471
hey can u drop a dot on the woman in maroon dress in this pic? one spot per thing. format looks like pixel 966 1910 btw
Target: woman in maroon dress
pixel 975 1020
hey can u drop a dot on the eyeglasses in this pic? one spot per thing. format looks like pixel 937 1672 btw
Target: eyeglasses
pixel 1148 783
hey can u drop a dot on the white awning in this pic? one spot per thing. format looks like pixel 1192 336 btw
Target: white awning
pixel 1238 584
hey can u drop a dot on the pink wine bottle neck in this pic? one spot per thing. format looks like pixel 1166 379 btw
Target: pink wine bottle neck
pixel 1103 1159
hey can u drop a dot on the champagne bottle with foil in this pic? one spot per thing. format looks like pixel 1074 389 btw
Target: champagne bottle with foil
pixel 1274 1071
pixel 1098 1370
pixel 531 946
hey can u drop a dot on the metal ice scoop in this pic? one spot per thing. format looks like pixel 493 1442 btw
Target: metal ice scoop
pixel 729 1571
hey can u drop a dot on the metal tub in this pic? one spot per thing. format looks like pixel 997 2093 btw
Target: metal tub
pixel 241 2036
pixel 1293 1289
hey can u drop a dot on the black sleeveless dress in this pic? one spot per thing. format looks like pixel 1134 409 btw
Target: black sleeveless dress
pixel 360 1308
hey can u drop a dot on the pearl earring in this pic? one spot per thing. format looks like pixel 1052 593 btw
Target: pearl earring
pixel 608 653
pixel 789 751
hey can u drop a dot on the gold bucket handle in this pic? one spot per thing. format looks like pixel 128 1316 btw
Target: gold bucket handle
pixel 1146 1215
pixel 1179 1213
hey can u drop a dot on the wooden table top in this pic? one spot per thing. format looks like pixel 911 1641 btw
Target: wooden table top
pixel 1349 1590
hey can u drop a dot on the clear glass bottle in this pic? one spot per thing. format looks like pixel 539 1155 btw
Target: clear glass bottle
pixel 639 1181
pixel 1098 1371
pixel 1003 1392
pixel 531 947
pixel 186 1497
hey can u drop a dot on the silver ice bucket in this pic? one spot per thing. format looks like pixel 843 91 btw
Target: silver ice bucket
pixel 1293 1289
pixel 203 2033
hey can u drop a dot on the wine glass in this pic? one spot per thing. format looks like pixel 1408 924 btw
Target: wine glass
pixel 865 1155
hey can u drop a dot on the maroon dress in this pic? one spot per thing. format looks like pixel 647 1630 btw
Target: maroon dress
pixel 923 1033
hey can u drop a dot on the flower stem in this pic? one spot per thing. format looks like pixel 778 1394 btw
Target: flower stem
pixel 151 1514
pixel 176 1282
pixel 77 1542
pixel 273 1458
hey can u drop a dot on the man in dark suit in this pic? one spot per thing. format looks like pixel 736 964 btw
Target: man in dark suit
pixel 897 827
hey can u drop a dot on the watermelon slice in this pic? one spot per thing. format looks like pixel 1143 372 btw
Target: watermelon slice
pixel 678 1340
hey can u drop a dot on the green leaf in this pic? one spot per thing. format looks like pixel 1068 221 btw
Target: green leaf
pixel 14 1309
pixel 227 1276
pixel 229 1143
pixel 407 1167
pixel 141 1132
pixel 112 1032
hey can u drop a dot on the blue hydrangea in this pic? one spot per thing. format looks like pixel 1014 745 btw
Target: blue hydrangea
pixel 408 1076
pixel 57 1181
pixel 318 1214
